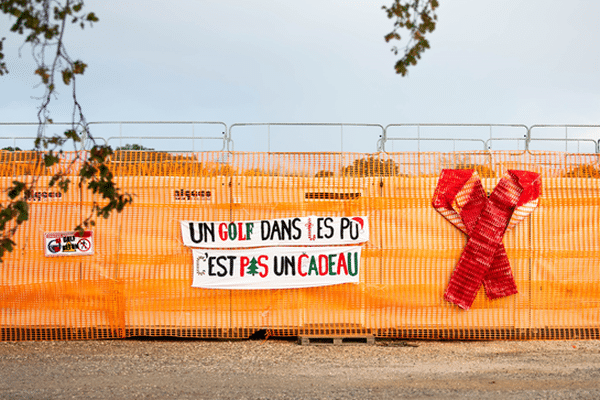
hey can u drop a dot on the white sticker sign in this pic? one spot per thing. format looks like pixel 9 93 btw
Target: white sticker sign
pixel 299 231
pixel 276 268
pixel 69 244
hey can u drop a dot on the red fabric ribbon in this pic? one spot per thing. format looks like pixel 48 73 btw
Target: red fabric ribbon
pixel 461 199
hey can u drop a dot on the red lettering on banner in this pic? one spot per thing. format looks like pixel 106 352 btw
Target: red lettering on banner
pixel 309 225
pixel 223 231
pixel 241 232
pixel 300 264
pixel 342 264
pixel 244 262
pixel 265 266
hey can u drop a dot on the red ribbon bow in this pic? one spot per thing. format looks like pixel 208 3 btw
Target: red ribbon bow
pixel 461 199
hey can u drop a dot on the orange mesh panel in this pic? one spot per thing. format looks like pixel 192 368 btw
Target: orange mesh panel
pixel 138 282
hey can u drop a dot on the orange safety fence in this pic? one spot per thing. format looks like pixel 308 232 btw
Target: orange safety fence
pixel 138 281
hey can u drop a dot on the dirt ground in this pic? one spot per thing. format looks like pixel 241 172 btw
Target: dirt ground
pixel 282 369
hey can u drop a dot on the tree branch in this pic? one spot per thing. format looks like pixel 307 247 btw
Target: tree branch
pixel 45 23
pixel 416 17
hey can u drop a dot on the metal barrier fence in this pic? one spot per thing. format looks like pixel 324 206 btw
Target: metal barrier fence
pixel 321 132
pixel 481 135
pixel 314 137
pixel 585 136
pixel 139 279
pixel 181 133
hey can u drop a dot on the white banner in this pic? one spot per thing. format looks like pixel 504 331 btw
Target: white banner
pixel 69 244
pixel 299 231
pixel 276 268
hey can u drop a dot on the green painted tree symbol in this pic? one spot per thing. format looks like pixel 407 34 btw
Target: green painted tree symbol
pixel 253 267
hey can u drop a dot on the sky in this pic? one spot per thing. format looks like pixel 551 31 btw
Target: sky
pixel 525 62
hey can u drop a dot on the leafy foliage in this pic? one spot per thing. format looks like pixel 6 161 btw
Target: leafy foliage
pixel 483 170
pixel 324 174
pixel 255 172
pixel 18 163
pixel 43 23
pixel 160 163
pixel 139 156
pixel 583 171
pixel 418 17
pixel 371 167
pixel 134 147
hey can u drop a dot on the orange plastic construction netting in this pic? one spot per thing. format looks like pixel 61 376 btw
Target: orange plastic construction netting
pixel 139 279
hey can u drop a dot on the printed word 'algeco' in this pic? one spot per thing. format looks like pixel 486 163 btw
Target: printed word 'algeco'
pixel 191 195
pixel 44 196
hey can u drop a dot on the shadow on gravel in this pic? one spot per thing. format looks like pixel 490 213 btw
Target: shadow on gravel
pixel 262 335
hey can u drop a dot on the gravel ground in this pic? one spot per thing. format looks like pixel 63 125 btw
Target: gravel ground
pixel 281 369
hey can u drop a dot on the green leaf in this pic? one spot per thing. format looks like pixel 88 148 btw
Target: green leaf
pixel 402 11
pixel 16 189
pixel 67 74
pixel 22 209
pixel 50 159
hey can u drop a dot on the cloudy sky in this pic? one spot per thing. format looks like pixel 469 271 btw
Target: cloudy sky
pixel 238 61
